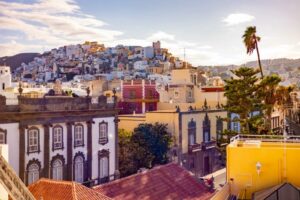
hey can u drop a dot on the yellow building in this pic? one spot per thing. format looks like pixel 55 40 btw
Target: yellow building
pixel 256 164
pixel 194 131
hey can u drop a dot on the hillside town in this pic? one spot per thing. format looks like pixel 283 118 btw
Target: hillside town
pixel 99 118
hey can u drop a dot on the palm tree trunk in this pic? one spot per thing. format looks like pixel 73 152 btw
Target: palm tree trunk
pixel 258 58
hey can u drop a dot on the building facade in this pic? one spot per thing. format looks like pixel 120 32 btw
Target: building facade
pixel 195 134
pixel 138 96
pixel 61 137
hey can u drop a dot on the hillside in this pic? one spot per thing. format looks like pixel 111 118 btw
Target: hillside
pixel 16 60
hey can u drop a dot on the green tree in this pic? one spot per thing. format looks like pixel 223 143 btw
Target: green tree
pixel 267 92
pixel 152 143
pixel 251 42
pixel 146 147
pixel 242 98
pixel 126 164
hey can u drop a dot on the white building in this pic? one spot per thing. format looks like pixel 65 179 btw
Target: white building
pixel 5 78
pixel 64 139
pixel 140 65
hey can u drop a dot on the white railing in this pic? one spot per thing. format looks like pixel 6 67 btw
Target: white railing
pixel 267 138
pixel 12 183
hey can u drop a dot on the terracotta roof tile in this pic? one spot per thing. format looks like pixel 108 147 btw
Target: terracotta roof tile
pixel 47 189
pixel 163 182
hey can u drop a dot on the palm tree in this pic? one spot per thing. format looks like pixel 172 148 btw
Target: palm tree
pixel 250 41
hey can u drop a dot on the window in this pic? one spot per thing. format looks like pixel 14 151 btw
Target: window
pixel 176 94
pixel 57 169
pixel 206 129
pixel 219 128
pixel 103 166
pixel 103 138
pixel 132 94
pixel 192 132
pixel 33 173
pixel 2 136
pixel 57 137
pixel 33 140
pixel 78 135
pixel 236 124
pixel 79 168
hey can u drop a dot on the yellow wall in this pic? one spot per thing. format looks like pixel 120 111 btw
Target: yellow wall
pixel 279 165
pixel 199 118
pixel 129 122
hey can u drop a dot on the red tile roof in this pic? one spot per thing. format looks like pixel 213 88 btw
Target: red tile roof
pixel 47 189
pixel 163 182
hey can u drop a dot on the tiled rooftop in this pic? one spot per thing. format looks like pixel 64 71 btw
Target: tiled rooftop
pixel 63 190
pixel 163 182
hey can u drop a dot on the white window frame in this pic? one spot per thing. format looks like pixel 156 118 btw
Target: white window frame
pixel 78 135
pixel 57 169
pixel 33 173
pixel 57 137
pixel 79 169
pixel 33 140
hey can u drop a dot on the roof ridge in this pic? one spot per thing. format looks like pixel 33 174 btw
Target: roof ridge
pixel 74 191
pixel 137 174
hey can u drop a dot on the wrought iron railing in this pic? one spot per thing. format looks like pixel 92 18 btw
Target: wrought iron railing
pixel 267 138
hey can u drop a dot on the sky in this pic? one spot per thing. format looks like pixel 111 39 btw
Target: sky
pixel 208 31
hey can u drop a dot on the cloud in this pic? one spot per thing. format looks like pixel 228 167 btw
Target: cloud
pixel 237 18
pixel 160 35
pixel 53 22
pixel 13 47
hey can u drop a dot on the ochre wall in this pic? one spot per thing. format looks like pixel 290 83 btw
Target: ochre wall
pixel 279 163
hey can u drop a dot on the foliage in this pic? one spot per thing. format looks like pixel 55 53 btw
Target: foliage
pixel 251 43
pixel 126 164
pixel 154 142
pixel 241 94
pixel 146 147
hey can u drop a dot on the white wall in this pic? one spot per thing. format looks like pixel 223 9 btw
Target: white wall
pixel 84 148
pixel 63 151
pixel 13 144
pixel 98 147
pixel 38 155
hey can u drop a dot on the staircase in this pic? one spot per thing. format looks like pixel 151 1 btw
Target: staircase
pixel 12 183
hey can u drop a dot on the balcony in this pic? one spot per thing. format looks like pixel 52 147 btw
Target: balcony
pixel 194 148
pixel 202 147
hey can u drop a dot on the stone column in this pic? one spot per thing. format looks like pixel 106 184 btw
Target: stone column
pixel 69 167
pixel 46 170
pixel 117 172
pixel 22 152
pixel 89 150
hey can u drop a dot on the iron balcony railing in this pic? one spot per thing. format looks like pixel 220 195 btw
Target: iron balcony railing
pixel 267 138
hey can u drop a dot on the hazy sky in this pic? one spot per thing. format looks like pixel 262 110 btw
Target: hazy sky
pixel 209 30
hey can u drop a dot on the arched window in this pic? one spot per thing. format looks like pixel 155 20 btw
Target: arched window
pixel 57 137
pixel 206 129
pixel 57 169
pixel 78 135
pixel 33 140
pixel 33 173
pixel 79 169
pixel 192 132
pixel 103 135
pixel 3 134
pixel 103 166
